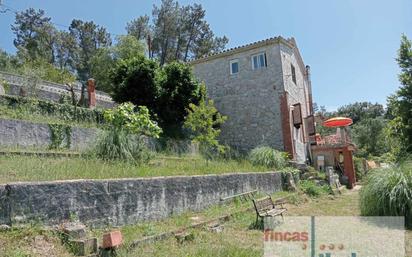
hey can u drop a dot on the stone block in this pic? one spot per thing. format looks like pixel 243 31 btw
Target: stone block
pixel 183 236
pixel 74 230
pixel 112 239
pixel 83 247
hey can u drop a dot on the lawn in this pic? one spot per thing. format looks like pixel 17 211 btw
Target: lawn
pixel 31 168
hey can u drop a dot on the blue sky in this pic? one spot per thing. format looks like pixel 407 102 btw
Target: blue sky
pixel 350 45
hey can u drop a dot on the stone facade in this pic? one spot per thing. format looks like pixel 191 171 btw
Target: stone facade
pixel 124 201
pixel 251 98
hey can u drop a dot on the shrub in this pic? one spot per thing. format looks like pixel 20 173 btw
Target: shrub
pixel 388 192
pixel 124 138
pixel 310 188
pixel 120 145
pixel 268 157
pixel 204 121
pixel 359 168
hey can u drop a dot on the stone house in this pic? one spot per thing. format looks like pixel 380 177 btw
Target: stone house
pixel 265 91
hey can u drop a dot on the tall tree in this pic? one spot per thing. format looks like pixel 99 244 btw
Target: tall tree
pixel 178 89
pixel 127 47
pixel 176 32
pixel 400 104
pixel 361 110
pixel 89 37
pixel 139 28
pixel 165 19
pixel 30 27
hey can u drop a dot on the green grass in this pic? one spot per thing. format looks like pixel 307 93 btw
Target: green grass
pixel 31 168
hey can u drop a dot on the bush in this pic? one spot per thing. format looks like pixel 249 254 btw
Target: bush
pixel 124 138
pixel 310 188
pixel 268 157
pixel 204 122
pixel 388 192
pixel 359 168
pixel 120 145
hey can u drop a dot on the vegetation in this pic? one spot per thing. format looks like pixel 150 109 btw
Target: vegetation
pixel 204 121
pixel 176 32
pixel 400 104
pixel 167 91
pixel 310 188
pixel 102 63
pixel 123 139
pixel 36 168
pixel 268 157
pixel 48 112
pixel 388 192
pixel 178 90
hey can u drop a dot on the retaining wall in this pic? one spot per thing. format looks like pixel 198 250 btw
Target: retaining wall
pixel 125 201
pixel 19 133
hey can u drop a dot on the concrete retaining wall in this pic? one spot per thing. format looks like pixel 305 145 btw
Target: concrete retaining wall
pixel 127 201
pixel 19 133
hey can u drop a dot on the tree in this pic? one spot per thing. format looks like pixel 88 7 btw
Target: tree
pixel 139 28
pixel 106 58
pixel 89 37
pixel 368 135
pixel 361 110
pixel 134 81
pixel 176 32
pixel 204 121
pixel 30 27
pixel 400 104
pixel 178 89
pixel 165 20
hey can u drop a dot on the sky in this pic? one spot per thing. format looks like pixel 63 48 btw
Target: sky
pixel 351 45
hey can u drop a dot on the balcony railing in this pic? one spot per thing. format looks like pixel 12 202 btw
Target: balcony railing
pixel 340 138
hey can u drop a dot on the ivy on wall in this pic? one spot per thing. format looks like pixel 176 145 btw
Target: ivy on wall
pixel 59 133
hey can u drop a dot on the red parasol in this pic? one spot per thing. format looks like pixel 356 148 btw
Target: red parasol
pixel 337 122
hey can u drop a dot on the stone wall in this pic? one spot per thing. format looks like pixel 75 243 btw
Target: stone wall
pixel 125 201
pixel 23 134
pixel 48 90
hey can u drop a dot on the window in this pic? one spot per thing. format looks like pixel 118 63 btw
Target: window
pixel 293 73
pixel 259 61
pixel 234 66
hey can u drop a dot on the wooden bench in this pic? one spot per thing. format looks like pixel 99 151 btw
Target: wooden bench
pixel 265 207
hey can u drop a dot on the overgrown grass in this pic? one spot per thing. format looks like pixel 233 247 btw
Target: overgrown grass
pixel 388 192
pixel 32 168
pixel 20 113
pixel 310 188
pixel 30 240
pixel 122 146
pixel 268 157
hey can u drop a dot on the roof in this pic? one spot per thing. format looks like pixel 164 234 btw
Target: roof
pixel 289 42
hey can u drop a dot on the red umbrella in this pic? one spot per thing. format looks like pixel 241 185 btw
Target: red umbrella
pixel 337 122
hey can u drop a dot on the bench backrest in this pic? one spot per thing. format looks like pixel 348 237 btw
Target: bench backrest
pixel 263 204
